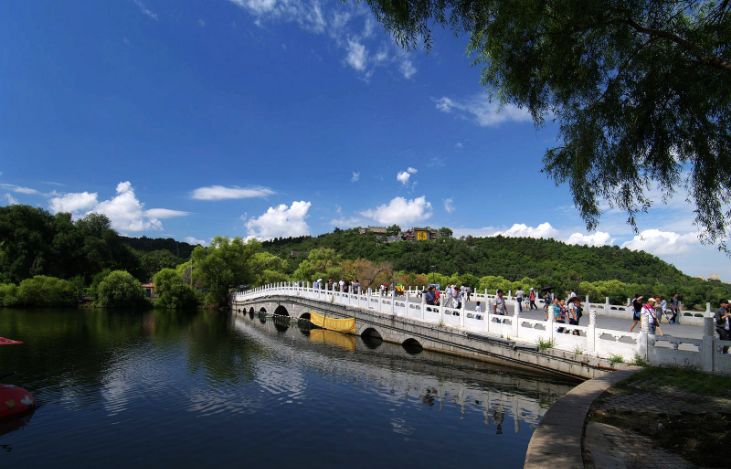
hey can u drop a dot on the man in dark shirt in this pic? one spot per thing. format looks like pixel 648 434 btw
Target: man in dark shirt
pixel 723 322
pixel 429 296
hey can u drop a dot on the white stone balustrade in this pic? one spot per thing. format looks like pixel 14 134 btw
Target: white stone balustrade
pixel 706 353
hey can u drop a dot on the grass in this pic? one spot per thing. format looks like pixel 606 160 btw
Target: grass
pixel 639 361
pixel 544 344
pixel 614 359
pixel 683 380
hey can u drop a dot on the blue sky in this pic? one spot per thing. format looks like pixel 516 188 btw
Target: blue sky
pixel 266 118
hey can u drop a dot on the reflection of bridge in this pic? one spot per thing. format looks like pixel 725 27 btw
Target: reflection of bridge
pixel 580 351
pixel 434 379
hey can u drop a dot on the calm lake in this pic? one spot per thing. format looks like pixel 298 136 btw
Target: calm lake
pixel 163 389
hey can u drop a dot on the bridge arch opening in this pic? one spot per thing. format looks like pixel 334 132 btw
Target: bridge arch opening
pixel 412 346
pixel 371 338
pixel 281 311
pixel 262 315
pixel 281 318
pixel 251 313
pixel 305 316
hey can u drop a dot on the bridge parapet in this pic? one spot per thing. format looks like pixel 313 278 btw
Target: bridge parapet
pixel 616 346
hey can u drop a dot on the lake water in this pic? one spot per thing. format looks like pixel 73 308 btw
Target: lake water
pixel 182 390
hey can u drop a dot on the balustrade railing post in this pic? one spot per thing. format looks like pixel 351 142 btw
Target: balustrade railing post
pixel 708 349
pixel 488 309
pixel 462 312
pixel 423 307
pixel 591 332
pixel 549 323
pixel 516 319
pixel 643 339
pixel 441 309
pixel 606 304
pixel 393 303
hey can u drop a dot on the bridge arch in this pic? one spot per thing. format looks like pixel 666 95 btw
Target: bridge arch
pixel 412 346
pixel 305 315
pixel 281 311
pixel 262 315
pixel 251 313
pixel 371 338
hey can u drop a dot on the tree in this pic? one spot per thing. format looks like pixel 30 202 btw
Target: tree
pixel 172 291
pixel 223 265
pixel 119 289
pixel 268 268
pixel 640 89
pixel 154 261
pixel 320 263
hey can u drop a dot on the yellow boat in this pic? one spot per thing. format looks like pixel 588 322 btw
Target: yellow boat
pixel 346 325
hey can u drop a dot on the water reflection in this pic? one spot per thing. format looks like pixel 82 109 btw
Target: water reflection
pixel 232 390
pixel 398 374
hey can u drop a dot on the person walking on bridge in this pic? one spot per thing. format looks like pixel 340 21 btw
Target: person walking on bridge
pixel 500 306
pixel 519 298
pixel 532 299
pixel 636 310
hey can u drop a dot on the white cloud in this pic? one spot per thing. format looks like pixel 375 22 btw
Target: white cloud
pixel 600 238
pixel 407 69
pixel 280 221
pixel 521 230
pixel 350 26
pixel 660 243
pixel 482 110
pixel 194 240
pixel 125 211
pixel 355 177
pixel 357 55
pixel 404 176
pixel 10 200
pixel 349 222
pixel 459 145
pixel 145 11
pixel 401 211
pixel 449 205
pixel 165 213
pixel 19 189
pixel 225 193
pixel 75 203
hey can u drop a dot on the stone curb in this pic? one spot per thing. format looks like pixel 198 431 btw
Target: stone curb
pixel 558 439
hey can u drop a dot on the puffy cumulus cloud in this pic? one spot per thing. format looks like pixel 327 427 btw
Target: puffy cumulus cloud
pixel 355 177
pixel 404 176
pixel 401 211
pixel 125 211
pixel 280 222
pixel 449 205
pixel 10 200
pixel 662 243
pixel 600 238
pixel 521 230
pixel 217 192
pixel 165 213
pixel 483 111
pixel 74 203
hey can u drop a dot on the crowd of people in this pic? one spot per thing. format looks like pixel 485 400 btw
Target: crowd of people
pixel 654 309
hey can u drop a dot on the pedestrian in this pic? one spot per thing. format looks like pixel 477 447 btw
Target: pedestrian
pixel 532 299
pixel 519 298
pixel 429 296
pixel 636 310
pixel 723 323
pixel 675 307
pixel 500 307
pixel 648 310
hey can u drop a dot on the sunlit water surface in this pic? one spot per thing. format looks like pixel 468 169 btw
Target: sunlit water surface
pixel 174 390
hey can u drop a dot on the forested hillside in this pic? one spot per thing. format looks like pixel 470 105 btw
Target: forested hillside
pixel 542 261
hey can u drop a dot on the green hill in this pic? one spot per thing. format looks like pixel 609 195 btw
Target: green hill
pixel 544 261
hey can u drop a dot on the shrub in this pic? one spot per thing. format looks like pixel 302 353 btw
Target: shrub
pixel 120 289
pixel 544 344
pixel 173 292
pixel 614 359
pixel 46 291
pixel 8 294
